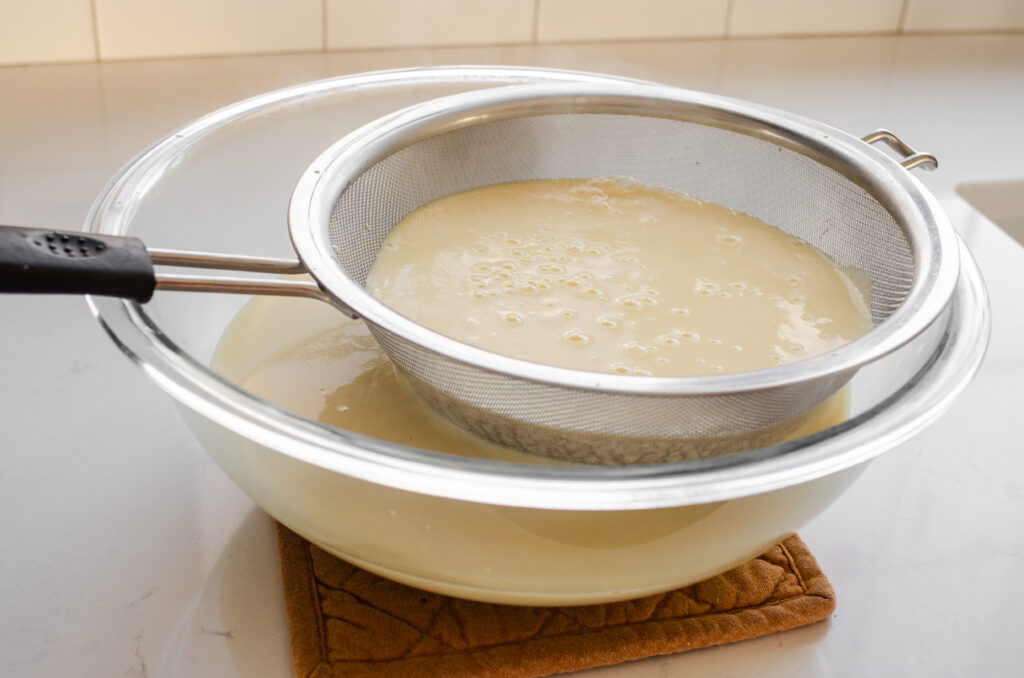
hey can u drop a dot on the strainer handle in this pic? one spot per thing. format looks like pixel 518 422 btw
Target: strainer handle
pixel 70 262
pixel 911 158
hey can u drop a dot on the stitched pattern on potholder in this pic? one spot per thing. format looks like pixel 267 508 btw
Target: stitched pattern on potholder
pixel 355 624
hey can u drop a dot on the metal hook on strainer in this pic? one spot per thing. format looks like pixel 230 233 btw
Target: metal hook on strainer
pixel 849 200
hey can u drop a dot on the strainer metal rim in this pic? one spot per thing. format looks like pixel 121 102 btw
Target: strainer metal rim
pixel 936 275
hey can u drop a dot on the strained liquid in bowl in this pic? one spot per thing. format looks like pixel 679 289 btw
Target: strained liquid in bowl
pixel 305 357
pixel 609 275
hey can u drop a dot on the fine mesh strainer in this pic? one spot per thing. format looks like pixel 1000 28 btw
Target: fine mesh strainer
pixel 836 192
pixel 847 199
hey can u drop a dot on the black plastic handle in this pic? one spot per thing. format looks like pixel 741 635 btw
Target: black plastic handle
pixel 68 262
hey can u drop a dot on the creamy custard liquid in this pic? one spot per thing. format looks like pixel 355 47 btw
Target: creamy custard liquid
pixel 611 276
pixel 308 358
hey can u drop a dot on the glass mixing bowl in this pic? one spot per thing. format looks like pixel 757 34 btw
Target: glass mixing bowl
pixel 473 528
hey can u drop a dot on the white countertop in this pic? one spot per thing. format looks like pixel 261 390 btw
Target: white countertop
pixel 124 551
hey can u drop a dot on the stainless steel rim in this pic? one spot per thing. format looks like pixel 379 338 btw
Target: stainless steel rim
pixel 319 187
pixel 192 384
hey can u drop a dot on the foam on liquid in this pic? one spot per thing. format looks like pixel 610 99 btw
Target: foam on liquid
pixel 612 276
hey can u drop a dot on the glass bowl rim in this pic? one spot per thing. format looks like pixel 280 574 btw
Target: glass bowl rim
pixel 915 405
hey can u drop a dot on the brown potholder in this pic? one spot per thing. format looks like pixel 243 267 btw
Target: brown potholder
pixel 346 622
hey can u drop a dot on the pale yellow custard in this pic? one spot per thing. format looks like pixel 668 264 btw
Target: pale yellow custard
pixel 306 357
pixel 612 276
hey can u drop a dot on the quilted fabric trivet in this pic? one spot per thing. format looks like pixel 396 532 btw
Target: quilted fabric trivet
pixel 346 622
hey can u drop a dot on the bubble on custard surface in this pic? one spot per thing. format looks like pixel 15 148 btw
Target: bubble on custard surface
pixel 680 311
pixel 513 318
pixel 481 267
pixel 630 303
pixel 602 205
pixel 391 245
pixel 529 288
pixel 688 335
pixel 551 268
pixel 567 313
pixel 670 339
pixel 794 280
pixel 706 287
pixel 588 189
pixel 728 239
pixel 736 348
pixel 607 321
pixel 717 368
pixel 621 368
pixel 576 337
pixel 648 220
pixel 740 286
pixel 626 183
pixel 637 349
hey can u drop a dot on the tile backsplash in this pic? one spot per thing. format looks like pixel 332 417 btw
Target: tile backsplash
pixel 53 31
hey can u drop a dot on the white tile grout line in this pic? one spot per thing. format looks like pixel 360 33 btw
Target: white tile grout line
pixel 323 25
pixel 535 27
pixel 899 31
pixel 95 29
pixel 901 23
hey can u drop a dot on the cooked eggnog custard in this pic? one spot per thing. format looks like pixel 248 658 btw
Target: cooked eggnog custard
pixel 612 276
pixel 308 358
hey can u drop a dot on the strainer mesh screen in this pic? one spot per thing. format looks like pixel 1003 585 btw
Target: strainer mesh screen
pixel 779 186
